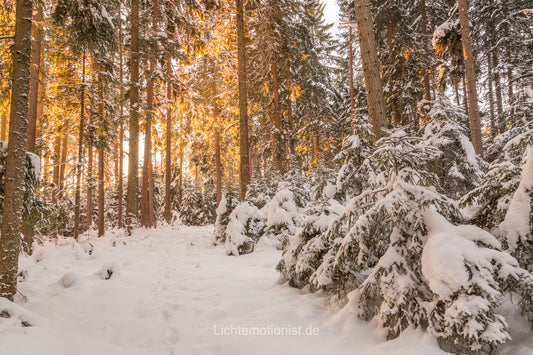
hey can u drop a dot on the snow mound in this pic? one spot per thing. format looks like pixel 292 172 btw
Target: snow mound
pixel 69 280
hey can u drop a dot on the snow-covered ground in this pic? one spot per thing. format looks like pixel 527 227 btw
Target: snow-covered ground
pixel 172 292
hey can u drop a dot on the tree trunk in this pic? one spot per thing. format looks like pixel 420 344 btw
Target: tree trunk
pixel 473 109
pixel 16 152
pixel 493 129
pixel 37 34
pixel 63 160
pixel 278 143
pixel 90 182
pixel 3 130
pixel 168 142
pixel 427 85
pixel 147 159
pixel 57 161
pixel 133 158
pixel 394 104
pixel 371 68
pixel 121 128
pixel 218 165
pixel 350 57
pixel 101 157
pixel 244 149
pixel 497 82
pixel 79 163
pixel 292 150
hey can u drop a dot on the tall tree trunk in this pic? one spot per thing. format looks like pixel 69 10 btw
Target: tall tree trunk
pixel 244 148
pixel 473 109
pixel 394 104
pixel 350 61
pixel 133 158
pixel 37 34
pixel 218 165
pixel 292 150
pixel 493 129
pixel 57 162
pixel 101 157
pixel 497 81
pixel 63 160
pixel 278 143
pixel 90 182
pixel 121 126
pixel 147 159
pixel 79 163
pixel 168 142
pixel 427 85
pixel 371 68
pixel 16 152
pixel 3 130
pixel 508 55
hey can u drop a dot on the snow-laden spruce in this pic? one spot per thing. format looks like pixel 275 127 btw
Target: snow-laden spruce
pixel 458 167
pixel 246 225
pixel 227 204
pixel 467 272
pixel 517 227
pixel 302 255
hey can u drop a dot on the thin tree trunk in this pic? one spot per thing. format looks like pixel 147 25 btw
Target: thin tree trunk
pixel 79 164
pixel 497 82
pixel 371 68
pixel 394 104
pixel 63 160
pixel 168 142
pixel 56 169
pixel 218 165
pixel 121 128
pixel 37 34
pixel 350 57
pixel 101 157
pixel 133 158
pixel 289 110
pixel 473 109
pixel 244 149
pixel 3 130
pixel 493 129
pixel 90 183
pixel 278 143
pixel 427 85
pixel 16 152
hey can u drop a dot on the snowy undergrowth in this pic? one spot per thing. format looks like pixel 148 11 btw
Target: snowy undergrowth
pixel 169 288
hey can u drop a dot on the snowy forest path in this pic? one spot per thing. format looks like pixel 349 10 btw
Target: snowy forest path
pixel 171 291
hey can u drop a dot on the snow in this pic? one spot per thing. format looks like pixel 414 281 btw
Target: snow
pixel 35 162
pixel 516 224
pixel 173 293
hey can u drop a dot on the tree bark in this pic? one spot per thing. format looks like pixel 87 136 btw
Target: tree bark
pixel 79 164
pixel 473 109
pixel 63 160
pixel 90 182
pixel 493 129
pixel 278 143
pixel 350 61
pixel 101 157
pixel 292 150
pixel 133 158
pixel 244 149
pixel 427 85
pixel 146 206
pixel 371 68
pixel 57 161
pixel 121 128
pixel 37 34
pixel 16 152
pixel 168 142
pixel 218 165
pixel 3 130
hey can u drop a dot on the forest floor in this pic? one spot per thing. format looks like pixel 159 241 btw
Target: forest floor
pixel 170 291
